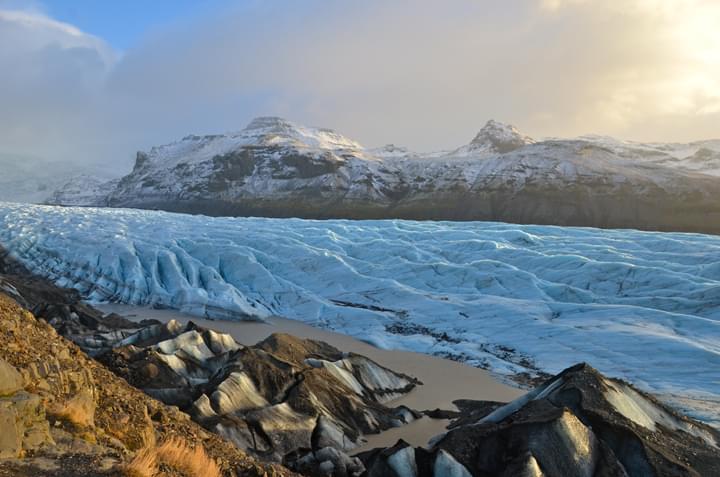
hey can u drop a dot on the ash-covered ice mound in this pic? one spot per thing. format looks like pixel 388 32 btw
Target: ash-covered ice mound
pixel 285 396
pixel 579 423
pixel 271 399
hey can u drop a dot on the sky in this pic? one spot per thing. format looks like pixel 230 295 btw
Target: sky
pixel 90 82
pixel 123 23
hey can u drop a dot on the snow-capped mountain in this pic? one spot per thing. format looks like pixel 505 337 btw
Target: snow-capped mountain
pixel 277 168
pixel 83 190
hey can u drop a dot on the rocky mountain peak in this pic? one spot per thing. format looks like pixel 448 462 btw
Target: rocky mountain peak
pixel 270 124
pixel 390 150
pixel 499 137
pixel 273 130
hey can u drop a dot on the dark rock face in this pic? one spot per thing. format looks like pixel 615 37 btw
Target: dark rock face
pixel 234 166
pixel 579 423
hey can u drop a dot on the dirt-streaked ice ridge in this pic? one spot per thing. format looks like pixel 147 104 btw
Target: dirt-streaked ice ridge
pixel 638 305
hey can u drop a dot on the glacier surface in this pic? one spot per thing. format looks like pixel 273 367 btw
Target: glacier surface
pixel 644 306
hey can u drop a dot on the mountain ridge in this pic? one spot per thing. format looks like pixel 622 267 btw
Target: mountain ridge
pixel 277 168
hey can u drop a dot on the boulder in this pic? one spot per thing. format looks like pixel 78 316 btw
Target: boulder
pixel 10 437
pixel 23 425
pixel 324 462
pixel 11 380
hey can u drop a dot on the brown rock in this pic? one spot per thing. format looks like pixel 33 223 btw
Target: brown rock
pixel 10 441
pixel 11 380
pixel 22 424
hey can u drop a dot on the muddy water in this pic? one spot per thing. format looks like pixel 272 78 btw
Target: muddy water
pixel 443 380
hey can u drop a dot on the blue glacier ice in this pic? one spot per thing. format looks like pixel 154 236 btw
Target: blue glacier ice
pixel 643 306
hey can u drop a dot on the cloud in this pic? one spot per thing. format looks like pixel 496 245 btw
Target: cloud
pixel 423 73
pixel 557 4
pixel 662 81
pixel 52 74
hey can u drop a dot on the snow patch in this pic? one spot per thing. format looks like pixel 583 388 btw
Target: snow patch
pixel 403 462
pixel 237 393
pixel 645 413
pixel 446 466
pixel 190 344
pixel 338 370
pixel 512 407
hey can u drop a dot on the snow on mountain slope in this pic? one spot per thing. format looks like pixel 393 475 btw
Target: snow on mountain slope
pixel 699 156
pixel 270 158
pixel 280 169
pixel 83 190
pixel 638 305
pixel 261 132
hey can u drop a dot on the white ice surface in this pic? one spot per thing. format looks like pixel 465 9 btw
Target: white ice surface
pixel 643 306
pixel 403 462
pixel 446 466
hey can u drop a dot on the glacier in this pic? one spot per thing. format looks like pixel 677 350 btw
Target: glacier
pixel 643 306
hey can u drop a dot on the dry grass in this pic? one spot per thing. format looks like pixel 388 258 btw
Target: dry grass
pixel 175 454
pixel 144 464
pixel 78 411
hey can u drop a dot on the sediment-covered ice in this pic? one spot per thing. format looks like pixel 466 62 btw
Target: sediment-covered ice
pixel 639 305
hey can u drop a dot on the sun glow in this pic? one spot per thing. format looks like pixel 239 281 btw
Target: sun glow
pixel 681 37
pixel 692 26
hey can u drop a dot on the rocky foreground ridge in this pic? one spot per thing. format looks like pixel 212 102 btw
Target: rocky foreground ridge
pixel 271 399
pixel 276 168
pixel 301 402
pixel 64 414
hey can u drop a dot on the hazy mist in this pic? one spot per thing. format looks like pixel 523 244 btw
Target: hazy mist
pixel 425 74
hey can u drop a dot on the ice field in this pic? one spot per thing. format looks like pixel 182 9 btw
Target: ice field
pixel 644 306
